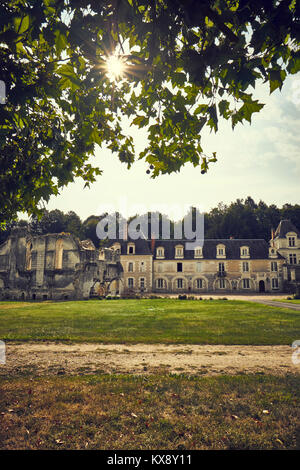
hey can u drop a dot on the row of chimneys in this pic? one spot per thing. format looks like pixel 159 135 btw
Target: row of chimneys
pixel 125 236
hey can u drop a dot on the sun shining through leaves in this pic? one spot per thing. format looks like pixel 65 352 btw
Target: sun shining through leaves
pixel 115 67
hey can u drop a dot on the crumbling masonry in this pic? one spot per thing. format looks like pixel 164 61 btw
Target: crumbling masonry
pixel 56 266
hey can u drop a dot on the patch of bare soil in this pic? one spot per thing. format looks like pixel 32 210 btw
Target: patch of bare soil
pixel 58 358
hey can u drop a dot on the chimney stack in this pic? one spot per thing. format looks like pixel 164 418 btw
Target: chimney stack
pixel 152 243
pixel 272 237
pixel 125 230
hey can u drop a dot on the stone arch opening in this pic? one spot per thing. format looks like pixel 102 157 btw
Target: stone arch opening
pixel 261 286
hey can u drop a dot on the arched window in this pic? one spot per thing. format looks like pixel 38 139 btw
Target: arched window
pixel 131 249
pixel 58 253
pixel 221 251
pixel 179 251
pixel 160 252
pixel 244 252
pixel 198 252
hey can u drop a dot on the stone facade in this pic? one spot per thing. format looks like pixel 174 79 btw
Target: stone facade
pixel 137 262
pixel 286 241
pixel 220 266
pixel 56 266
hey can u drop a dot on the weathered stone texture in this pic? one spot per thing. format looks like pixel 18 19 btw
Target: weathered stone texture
pixel 55 266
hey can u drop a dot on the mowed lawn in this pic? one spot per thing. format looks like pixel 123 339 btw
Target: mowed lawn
pixel 149 321
pixel 162 412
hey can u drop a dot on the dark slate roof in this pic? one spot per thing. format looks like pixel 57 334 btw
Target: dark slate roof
pixel 284 227
pixel 258 249
pixel 142 246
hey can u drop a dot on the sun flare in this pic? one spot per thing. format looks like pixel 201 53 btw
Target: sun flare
pixel 115 67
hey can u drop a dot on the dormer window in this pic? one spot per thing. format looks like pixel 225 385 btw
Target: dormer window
pixel 130 249
pixel 291 241
pixel 198 252
pixel 221 253
pixel 245 252
pixel 179 251
pixel 160 252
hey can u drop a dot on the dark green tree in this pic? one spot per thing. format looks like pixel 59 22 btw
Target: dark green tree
pixel 73 224
pixel 89 229
pixel 50 222
pixel 291 212
pixel 188 63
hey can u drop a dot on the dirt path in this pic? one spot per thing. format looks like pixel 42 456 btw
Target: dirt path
pixel 51 358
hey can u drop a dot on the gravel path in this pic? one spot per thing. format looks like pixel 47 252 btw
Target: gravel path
pixel 58 358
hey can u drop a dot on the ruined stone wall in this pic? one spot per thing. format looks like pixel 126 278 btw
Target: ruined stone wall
pixel 53 266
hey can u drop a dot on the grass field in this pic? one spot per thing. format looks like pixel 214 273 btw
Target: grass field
pixel 162 412
pixel 149 321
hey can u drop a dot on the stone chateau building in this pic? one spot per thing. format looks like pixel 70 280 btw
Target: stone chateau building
pixel 59 266
pixel 56 266
pixel 220 266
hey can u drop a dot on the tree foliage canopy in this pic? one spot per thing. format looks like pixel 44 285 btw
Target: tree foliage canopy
pixel 188 63
pixel 243 218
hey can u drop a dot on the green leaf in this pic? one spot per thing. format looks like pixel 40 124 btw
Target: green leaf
pixel 213 121
pixel 202 108
pixel 249 108
pixel 140 121
pixel 178 79
pixel 60 41
pixel 223 108
pixel 276 78
pixel 21 24
pixel 294 63
pixel 69 78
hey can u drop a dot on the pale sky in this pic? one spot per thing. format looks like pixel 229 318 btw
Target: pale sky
pixel 260 160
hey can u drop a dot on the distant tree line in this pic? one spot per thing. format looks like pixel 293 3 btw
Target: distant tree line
pixel 243 218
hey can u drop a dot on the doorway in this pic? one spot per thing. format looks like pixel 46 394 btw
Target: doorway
pixel 262 286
